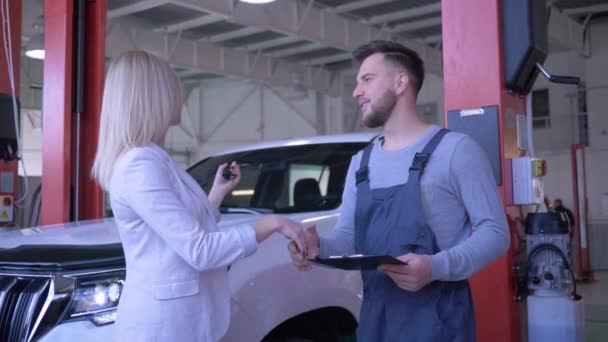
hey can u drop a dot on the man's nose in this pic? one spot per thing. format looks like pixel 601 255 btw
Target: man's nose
pixel 357 92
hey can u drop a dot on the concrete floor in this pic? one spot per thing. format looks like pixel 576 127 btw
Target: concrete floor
pixel 595 295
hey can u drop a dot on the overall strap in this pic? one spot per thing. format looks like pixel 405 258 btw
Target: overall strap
pixel 421 158
pixel 362 174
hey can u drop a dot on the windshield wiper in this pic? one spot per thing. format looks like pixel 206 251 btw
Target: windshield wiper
pixel 245 210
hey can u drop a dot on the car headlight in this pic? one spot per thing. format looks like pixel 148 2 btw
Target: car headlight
pixel 96 298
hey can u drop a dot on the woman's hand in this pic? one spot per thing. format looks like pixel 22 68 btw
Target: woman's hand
pixel 222 186
pixel 279 224
pixel 301 259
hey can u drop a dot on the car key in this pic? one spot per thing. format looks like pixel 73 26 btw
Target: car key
pixel 228 174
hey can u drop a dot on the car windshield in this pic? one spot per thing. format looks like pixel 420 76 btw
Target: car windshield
pixel 283 179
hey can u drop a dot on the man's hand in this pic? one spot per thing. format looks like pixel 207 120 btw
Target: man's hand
pixel 414 275
pixel 300 258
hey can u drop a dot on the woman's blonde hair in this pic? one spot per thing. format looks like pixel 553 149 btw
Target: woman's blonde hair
pixel 142 97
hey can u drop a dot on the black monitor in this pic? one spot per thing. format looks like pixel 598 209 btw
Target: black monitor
pixel 8 129
pixel 524 42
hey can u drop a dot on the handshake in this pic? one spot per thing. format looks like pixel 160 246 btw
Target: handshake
pixel 304 242
pixel 300 256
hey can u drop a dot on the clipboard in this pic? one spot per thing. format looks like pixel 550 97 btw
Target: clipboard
pixel 357 261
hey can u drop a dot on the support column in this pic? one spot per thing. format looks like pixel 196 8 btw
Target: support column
pixel 473 78
pixel 90 194
pixel 66 194
pixel 581 228
pixel 57 109
pixel 9 177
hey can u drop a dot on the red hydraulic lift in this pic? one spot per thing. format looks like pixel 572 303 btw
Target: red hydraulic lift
pixel 473 78
pixel 581 213
pixel 73 85
pixel 9 180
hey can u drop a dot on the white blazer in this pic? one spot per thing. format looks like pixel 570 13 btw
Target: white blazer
pixel 177 281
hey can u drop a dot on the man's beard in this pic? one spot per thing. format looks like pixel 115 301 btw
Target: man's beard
pixel 381 111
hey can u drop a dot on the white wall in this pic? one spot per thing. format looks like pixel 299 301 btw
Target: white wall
pixel 432 93
pixel 597 84
pixel 31 143
pixel 563 129
pixel 554 144
pixel 226 113
pixel 30 97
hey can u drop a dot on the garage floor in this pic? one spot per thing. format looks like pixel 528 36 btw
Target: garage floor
pixel 595 295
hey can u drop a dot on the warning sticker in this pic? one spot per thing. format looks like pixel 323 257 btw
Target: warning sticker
pixel 4 215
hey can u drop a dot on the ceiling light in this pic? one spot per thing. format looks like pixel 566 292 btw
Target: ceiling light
pixel 258 1
pixel 35 46
pixel 35 54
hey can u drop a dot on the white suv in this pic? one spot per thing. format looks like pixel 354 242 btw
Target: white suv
pixel 63 282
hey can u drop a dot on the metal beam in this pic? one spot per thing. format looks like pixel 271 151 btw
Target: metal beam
pixel 209 58
pixel 587 9
pixel 330 59
pixel 272 43
pixel 243 32
pixel 192 23
pixel 432 39
pixel 318 26
pixel 565 31
pixel 135 7
pixel 297 50
pixel 408 13
pixel 357 5
pixel 417 25
pixel 299 113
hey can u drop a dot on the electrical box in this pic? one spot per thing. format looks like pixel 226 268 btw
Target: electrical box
pixel 6 209
pixel 528 180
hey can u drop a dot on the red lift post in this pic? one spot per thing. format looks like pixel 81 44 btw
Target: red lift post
pixel 57 108
pixel 9 170
pixel 58 178
pixel 91 195
pixel 581 213
pixel 473 78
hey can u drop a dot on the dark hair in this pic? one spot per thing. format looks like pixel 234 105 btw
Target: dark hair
pixel 396 54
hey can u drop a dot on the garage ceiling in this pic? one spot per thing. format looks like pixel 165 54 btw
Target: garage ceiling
pixel 285 42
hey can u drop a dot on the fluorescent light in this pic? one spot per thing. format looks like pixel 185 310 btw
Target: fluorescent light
pixel 242 193
pixel 35 54
pixel 258 1
pixel 35 46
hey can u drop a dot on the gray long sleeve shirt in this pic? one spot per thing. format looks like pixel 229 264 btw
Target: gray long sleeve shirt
pixel 459 196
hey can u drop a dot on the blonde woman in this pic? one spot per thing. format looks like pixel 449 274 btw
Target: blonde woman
pixel 177 282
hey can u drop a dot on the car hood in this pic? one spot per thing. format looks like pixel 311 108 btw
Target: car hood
pixel 75 245
pixel 86 233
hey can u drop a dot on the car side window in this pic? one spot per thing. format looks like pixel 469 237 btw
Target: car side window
pixel 242 194
pixel 285 179
pixel 307 187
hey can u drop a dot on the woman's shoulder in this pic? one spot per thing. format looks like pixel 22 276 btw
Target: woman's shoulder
pixel 137 158
pixel 148 152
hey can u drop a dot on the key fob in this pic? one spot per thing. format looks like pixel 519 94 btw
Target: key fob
pixel 227 174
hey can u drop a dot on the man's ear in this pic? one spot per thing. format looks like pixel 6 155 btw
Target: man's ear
pixel 402 82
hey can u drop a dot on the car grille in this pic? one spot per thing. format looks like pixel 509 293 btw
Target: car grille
pixel 22 302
